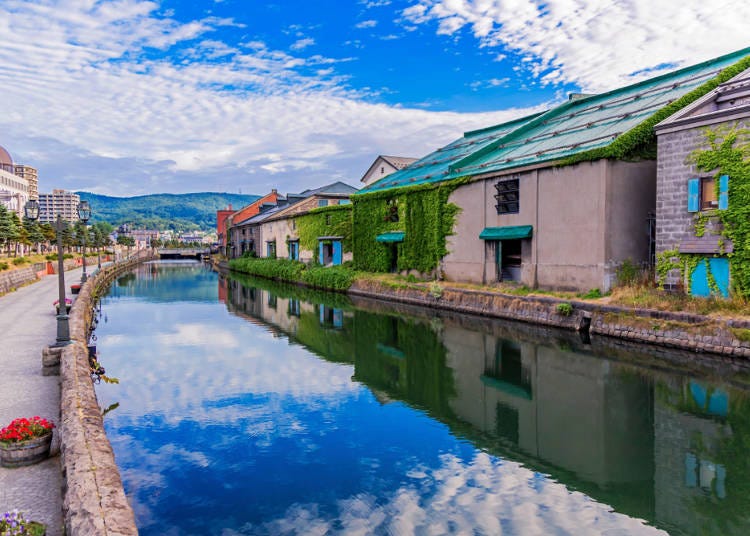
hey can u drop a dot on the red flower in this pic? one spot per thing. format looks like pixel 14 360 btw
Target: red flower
pixel 22 429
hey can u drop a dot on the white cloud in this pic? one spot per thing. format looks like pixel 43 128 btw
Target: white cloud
pixel 119 98
pixel 301 44
pixel 375 3
pixel 366 24
pixel 484 495
pixel 597 44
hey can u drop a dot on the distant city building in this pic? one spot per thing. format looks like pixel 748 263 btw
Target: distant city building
pixel 384 166
pixel 31 175
pixel 59 202
pixel 142 237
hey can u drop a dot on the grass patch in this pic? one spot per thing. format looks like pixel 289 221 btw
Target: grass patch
pixel 741 334
pixel 648 297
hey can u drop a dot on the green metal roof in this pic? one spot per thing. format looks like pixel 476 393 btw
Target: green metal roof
pixel 394 236
pixel 563 131
pixel 509 232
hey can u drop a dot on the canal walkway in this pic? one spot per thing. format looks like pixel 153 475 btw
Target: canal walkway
pixel 27 325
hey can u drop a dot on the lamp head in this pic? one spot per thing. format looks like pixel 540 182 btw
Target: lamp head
pixel 31 210
pixel 84 211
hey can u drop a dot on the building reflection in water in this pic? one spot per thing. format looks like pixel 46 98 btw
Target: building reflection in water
pixel 667 447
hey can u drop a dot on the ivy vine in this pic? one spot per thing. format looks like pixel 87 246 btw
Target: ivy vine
pixel 334 220
pixel 424 215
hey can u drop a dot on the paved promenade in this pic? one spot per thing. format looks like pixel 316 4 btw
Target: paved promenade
pixel 27 324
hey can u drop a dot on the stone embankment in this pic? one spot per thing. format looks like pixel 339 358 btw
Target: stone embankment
pixel 685 331
pixel 94 500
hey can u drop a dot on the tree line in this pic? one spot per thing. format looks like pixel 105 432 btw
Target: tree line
pixel 19 235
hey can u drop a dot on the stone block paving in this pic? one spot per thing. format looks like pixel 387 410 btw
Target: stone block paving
pixel 27 325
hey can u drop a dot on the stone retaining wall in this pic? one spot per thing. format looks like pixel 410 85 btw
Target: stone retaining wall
pixel 685 331
pixel 94 500
pixel 12 279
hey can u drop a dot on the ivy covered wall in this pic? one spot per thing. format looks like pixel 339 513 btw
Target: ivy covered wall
pixel 334 220
pixel 728 153
pixel 725 151
pixel 424 215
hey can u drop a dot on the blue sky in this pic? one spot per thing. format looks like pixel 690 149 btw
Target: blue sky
pixel 129 97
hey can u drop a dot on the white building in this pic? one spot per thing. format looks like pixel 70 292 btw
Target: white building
pixel 384 166
pixel 58 202
pixel 14 190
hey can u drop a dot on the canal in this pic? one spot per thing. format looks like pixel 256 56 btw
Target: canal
pixel 251 407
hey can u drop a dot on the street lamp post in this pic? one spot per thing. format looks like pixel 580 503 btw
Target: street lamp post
pixel 84 213
pixel 31 211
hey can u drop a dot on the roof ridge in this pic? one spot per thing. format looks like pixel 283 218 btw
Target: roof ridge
pixel 741 53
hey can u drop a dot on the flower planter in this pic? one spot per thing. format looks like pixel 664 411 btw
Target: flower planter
pixel 26 452
pixel 75 289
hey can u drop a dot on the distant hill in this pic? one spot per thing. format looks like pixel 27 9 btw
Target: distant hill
pixel 178 212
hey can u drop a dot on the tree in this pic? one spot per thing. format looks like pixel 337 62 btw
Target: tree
pixel 34 232
pixel 8 230
pixel 16 235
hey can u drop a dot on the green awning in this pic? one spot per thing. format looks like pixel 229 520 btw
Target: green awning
pixel 394 236
pixel 509 232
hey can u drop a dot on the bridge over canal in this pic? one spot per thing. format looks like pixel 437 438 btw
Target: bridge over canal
pixel 193 253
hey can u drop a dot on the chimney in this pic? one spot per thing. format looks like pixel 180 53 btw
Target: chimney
pixel 273 191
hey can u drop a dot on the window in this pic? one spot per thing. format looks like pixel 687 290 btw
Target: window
pixel 391 210
pixel 709 199
pixel 328 219
pixel 382 170
pixel 294 250
pixel 507 196
pixel 322 202
pixel 702 194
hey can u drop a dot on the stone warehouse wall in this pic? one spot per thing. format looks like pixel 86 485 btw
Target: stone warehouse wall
pixel 685 331
pixel 94 500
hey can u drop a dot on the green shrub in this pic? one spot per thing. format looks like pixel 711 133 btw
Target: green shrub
pixel 285 269
pixel 3 266
pixel 564 309
pixel 592 294
pixel 333 277
pixel 628 273
pixel 436 290
pixel 20 260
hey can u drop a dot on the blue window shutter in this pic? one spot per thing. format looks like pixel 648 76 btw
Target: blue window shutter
pixel 320 252
pixel 694 189
pixel 724 192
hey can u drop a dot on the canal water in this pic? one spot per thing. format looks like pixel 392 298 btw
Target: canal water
pixel 250 407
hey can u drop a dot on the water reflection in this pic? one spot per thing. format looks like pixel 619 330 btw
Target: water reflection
pixel 305 412
pixel 648 443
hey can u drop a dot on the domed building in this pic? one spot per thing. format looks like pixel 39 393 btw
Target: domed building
pixel 14 190
pixel 6 162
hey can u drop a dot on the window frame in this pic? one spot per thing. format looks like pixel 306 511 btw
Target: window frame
pixel 505 188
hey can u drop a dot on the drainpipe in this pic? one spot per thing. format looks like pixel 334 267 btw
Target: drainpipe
pixel 484 225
